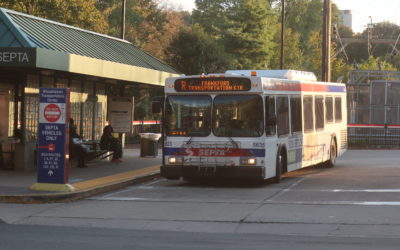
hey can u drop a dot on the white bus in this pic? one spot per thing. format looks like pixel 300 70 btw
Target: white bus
pixel 254 124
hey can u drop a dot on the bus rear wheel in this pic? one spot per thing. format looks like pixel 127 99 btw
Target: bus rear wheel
pixel 332 154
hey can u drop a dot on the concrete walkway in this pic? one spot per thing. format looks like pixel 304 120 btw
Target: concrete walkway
pixel 100 176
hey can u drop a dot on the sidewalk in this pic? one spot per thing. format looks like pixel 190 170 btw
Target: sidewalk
pixel 100 176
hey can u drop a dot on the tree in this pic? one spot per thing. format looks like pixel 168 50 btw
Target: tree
pixel 193 51
pixel 385 30
pixel 375 63
pixel 340 70
pixel 244 27
pixel 212 15
pixel 144 20
pixel 157 44
pixel 79 13
pixel 304 17
pixel 248 36
pixel 313 60
pixel 293 54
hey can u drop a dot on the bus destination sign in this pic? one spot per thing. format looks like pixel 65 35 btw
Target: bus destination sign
pixel 212 84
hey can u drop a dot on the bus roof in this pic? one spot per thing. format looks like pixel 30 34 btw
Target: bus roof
pixel 279 74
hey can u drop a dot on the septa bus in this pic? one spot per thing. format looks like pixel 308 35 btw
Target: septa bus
pixel 254 124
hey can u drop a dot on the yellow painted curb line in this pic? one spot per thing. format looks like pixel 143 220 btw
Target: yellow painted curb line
pixel 52 187
pixel 84 185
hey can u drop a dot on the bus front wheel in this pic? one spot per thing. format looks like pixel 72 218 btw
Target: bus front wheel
pixel 280 166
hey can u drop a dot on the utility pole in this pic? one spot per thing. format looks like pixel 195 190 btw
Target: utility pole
pixel 369 37
pixel 282 33
pixel 123 20
pixel 326 42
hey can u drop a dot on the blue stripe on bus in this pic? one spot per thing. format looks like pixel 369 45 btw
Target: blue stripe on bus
pixel 332 88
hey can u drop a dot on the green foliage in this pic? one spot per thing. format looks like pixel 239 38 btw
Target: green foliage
pixel 248 35
pixel 222 34
pixel 385 30
pixel 79 13
pixel 212 15
pixel 245 28
pixel 293 54
pixel 344 31
pixel 340 70
pixel 372 63
pixel 193 51
pixel 313 60
pixel 144 20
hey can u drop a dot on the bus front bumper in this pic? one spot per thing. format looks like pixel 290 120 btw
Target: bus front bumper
pixel 228 172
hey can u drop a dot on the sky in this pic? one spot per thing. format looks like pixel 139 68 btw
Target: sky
pixel 362 10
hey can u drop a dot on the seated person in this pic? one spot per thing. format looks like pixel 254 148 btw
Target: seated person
pixel 76 148
pixel 109 142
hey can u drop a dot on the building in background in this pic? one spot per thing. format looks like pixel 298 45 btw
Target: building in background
pixel 347 18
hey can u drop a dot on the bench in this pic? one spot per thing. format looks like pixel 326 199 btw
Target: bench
pixel 93 151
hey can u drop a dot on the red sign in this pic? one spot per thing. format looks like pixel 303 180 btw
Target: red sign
pixel 52 112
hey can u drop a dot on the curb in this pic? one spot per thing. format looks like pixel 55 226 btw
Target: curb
pixel 76 195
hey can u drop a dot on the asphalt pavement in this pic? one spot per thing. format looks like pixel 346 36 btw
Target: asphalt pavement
pixel 100 176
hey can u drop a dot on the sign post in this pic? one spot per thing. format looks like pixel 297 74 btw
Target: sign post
pixel 53 140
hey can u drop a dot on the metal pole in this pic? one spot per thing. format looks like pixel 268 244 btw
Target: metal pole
pixel 326 42
pixel 282 32
pixel 123 19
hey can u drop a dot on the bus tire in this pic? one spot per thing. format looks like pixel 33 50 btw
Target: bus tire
pixel 332 154
pixel 280 165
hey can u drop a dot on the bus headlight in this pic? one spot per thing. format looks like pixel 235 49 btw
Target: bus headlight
pixel 175 160
pixel 248 161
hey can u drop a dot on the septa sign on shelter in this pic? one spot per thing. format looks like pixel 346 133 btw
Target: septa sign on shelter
pixel 53 137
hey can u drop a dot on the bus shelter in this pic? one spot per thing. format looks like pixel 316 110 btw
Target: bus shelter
pixel 36 52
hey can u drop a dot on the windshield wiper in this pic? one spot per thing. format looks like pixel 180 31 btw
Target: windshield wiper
pixel 189 141
pixel 233 142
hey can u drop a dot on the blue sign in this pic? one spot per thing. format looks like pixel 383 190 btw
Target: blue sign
pixel 53 136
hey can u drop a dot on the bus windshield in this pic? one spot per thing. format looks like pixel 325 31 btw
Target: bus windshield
pixel 188 115
pixel 238 116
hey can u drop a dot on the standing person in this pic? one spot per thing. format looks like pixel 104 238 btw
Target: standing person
pixel 75 147
pixel 109 142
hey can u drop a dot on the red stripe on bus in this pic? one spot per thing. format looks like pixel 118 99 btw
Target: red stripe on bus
pixel 283 86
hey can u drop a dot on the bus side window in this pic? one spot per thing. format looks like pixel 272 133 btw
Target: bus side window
pixel 270 116
pixel 308 113
pixel 329 109
pixel 338 109
pixel 295 114
pixel 319 112
pixel 282 105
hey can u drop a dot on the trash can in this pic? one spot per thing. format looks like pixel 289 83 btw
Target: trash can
pixel 149 144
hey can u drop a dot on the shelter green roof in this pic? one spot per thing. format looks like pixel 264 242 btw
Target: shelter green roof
pixel 26 31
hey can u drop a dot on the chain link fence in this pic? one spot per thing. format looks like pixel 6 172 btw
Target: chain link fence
pixel 374 109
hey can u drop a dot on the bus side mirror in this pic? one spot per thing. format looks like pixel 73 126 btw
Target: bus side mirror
pixel 271 120
pixel 156 107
